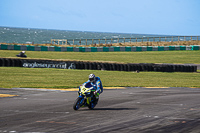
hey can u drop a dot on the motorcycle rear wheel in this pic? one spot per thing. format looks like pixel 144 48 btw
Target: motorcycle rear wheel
pixel 93 104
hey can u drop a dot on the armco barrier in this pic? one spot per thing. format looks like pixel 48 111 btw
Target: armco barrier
pixel 31 63
pixel 97 49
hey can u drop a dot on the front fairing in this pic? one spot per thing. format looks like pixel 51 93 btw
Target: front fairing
pixel 86 90
pixel 86 93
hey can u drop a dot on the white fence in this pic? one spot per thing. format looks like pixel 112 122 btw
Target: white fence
pixel 123 40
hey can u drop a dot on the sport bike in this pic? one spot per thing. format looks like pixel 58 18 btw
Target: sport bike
pixel 86 97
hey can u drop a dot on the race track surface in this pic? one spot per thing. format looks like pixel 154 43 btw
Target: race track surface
pixel 139 110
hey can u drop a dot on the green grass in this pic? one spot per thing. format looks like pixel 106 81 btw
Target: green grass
pixel 125 57
pixel 12 77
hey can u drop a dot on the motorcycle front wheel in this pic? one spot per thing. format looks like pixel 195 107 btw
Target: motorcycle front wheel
pixel 77 103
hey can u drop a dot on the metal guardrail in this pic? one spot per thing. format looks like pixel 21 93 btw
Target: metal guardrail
pixel 123 40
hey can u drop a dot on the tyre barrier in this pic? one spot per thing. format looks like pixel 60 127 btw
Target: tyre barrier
pixel 10 62
pixel 7 62
pixel 1 62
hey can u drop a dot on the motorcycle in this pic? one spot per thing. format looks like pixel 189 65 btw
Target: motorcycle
pixel 86 97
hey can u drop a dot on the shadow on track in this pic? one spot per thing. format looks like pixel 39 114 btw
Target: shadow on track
pixel 115 109
pixel 107 109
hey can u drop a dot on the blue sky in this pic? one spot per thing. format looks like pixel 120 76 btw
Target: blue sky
pixel 166 17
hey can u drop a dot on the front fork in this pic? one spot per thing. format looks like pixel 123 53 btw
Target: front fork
pixel 85 101
pixel 82 103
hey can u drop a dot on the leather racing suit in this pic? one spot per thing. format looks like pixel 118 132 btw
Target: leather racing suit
pixel 97 84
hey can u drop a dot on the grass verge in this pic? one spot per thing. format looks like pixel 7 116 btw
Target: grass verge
pixel 12 77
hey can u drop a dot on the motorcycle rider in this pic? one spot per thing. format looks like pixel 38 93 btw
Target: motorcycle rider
pixel 96 83
pixel 21 54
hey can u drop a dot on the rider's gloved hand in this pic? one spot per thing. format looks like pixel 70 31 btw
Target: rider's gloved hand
pixel 95 92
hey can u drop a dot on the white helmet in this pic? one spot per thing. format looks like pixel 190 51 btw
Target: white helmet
pixel 92 78
pixel 23 52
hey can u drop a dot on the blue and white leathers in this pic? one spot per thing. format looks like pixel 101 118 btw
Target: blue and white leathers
pixel 96 84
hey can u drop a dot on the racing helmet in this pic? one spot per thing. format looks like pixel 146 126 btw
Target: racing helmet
pixel 92 78
pixel 23 52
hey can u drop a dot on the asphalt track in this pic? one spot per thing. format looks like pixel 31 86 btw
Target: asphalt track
pixel 145 110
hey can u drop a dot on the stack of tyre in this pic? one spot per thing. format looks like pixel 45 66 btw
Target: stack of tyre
pixel 8 62
pixel 174 68
pixel 135 67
